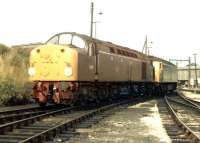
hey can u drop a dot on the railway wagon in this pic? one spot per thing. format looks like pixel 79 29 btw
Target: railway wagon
pixel 165 73
pixel 73 67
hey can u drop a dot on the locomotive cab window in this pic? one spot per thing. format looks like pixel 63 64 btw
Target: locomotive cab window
pixel 78 42
pixel 65 39
pixel 53 40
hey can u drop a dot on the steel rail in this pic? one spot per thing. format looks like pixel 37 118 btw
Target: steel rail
pixel 14 110
pixel 23 109
pixel 11 115
pixel 190 90
pixel 193 102
pixel 189 132
pixel 187 103
pixel 14 117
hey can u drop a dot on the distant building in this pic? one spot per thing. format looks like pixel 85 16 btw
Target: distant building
pixel 30 45
pixel 183 74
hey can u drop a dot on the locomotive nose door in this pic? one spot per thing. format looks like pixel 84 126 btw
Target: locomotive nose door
pixel 48 64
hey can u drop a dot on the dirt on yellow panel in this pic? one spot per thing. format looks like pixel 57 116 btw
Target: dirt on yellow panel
pixel 53 63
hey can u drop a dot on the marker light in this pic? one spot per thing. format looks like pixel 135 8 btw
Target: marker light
pixel 31 71
pixel 68 71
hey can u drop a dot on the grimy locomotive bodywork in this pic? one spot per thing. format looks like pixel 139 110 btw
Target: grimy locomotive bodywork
pixel 73 67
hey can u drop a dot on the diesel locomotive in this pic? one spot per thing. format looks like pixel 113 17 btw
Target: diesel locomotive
pixel 72 67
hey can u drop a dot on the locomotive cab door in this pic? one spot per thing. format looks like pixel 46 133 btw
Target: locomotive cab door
pixel 93 58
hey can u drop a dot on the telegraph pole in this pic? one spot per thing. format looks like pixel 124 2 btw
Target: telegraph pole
pixel 189 71
pixel 146 48
pixel 91 21
pixel 195 68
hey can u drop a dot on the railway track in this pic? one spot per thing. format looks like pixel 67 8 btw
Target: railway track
pixel 192 101
pixel 47 126
pixel 184 100
pixel 190 90
pixel 7 116
pixel 176 134
pixel 15 131
pixel 19 110
pixel 81 130
pixel 61 124
pixel 187 118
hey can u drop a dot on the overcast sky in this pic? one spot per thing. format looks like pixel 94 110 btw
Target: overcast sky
pixel 172 25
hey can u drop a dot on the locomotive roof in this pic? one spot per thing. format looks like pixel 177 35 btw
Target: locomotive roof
pixel 109 44
pixel 161 60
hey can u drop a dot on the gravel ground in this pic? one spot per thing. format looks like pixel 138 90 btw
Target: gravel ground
pixel 138 123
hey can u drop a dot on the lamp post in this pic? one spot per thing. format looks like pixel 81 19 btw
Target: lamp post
pixel 189 72
pixel 95 28
pixel 195 69
pixel 92 20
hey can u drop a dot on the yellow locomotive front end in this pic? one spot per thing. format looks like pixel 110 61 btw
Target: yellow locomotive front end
pixel 53 63
pixel 53 68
